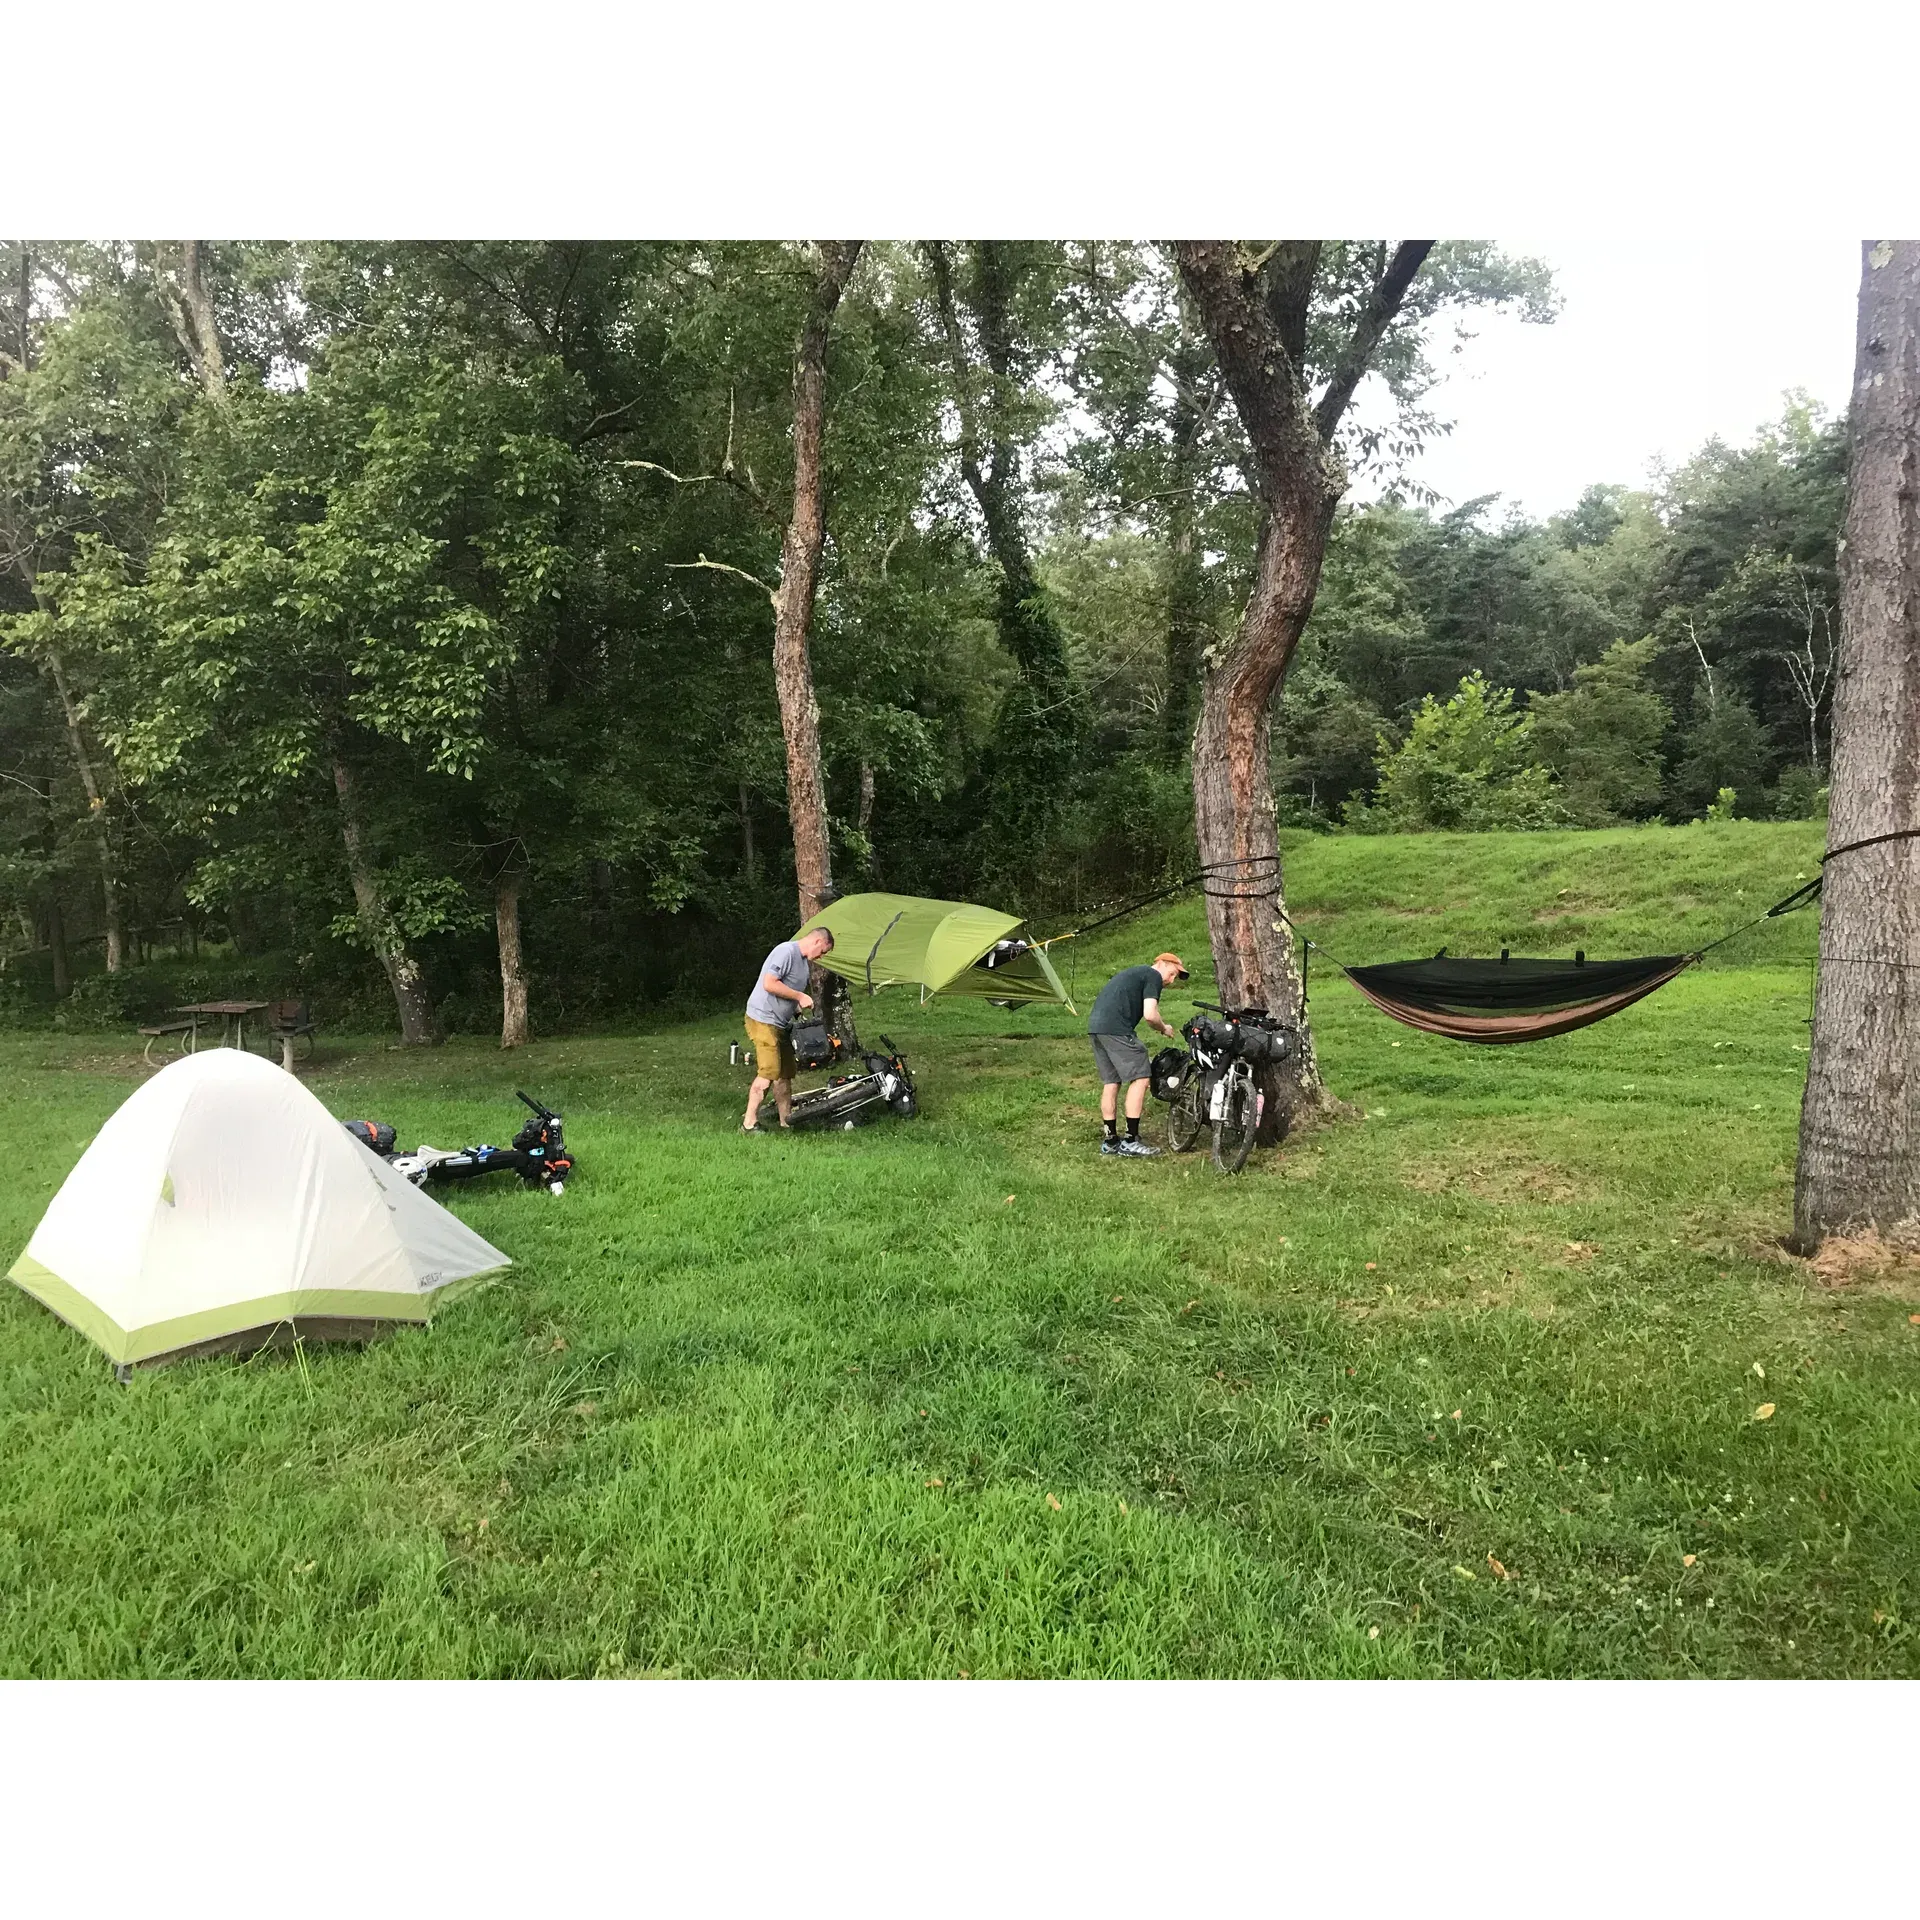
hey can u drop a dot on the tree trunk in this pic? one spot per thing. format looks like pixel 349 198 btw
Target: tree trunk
pixel 863 820
pixel 513 973
pixel 793 613
pixel 749 860
pixel 418 1024
pixel 800 580
pixel 190 308
pixel 1860 1120
pixel 97 822
pixel 57 944
pixel 1256 315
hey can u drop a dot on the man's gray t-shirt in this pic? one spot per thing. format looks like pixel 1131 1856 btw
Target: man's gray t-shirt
pixel 789 965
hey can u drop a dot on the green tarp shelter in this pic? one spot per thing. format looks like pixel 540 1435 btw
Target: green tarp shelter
pixel 941 946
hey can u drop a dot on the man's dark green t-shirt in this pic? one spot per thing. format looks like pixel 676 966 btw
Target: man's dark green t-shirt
pixel 1123 1000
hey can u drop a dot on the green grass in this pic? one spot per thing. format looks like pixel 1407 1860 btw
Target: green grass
pixel 961 1396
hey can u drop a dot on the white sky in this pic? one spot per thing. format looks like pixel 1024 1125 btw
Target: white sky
pixel 1660 344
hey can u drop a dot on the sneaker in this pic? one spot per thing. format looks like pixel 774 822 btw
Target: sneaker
pixel 1138 1150
pixel 1109 1146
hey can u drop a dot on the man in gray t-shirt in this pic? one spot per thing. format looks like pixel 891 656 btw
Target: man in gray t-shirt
pixel 778 995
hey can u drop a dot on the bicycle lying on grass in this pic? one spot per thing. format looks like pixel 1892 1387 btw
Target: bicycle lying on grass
pixel 1214 1080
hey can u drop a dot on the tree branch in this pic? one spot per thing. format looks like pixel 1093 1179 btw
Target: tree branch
pixel 1375 318
pixel 720 566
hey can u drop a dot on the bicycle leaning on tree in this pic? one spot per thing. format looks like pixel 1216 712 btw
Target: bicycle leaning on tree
pixel 1215 1081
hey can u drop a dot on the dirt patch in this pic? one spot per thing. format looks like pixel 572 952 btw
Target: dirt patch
pixel 1501 1175
pixel 1865 1263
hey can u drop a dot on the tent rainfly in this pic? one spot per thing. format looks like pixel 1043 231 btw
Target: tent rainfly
pixel 222 1204
pixel 941 946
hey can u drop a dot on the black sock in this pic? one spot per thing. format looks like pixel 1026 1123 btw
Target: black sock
pixel 1112 1127
pixel 1133 1126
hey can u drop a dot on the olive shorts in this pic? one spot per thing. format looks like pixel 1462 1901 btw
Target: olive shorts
pixel 772 1049
pixel 1120 1057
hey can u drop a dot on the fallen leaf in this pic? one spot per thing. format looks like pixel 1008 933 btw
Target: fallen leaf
pixel 1117 1298
pixel 964 1674
pixel 557 1345
pixel 1371 1266
pixel 1455 1414
pixel 1009 1199
pixel 1373 1633
pixel 936 1483
pixel 1191 1304
pixel 1759 1372
pixel 1498 1568
pixel 923 1413
pixel 1878 1616
pixel 1913 1319
pixel 1764 1411
pixel 1123 1506
pixel 482 1527
pixel 1687 1559
pixel 1053 1503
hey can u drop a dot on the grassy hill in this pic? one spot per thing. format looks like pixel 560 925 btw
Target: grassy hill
pixel 1470 1386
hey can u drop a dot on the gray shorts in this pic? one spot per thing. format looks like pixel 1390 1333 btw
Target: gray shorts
pixel 1120 1057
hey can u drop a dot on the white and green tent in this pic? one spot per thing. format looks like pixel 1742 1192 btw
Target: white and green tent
pixel 222 1202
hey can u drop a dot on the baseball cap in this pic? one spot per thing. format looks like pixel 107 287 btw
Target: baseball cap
pixel 1173 959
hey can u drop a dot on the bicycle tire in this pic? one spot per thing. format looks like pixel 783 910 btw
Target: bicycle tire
pixel 1183 1116
pixel 1233 1131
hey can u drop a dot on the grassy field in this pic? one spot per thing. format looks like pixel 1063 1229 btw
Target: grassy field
pixel 1467 1387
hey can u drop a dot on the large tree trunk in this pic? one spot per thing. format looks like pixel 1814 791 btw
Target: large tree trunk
pixel 1255 314
pixel 793 611
pixel 418 1024
pixel 513 973
pixel 1860 1120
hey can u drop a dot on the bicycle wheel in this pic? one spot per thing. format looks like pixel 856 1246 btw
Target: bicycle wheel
pixel 1183 1116
pixel 1233 1131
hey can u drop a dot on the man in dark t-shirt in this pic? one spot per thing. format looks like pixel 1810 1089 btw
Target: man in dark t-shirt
pixel 1132 995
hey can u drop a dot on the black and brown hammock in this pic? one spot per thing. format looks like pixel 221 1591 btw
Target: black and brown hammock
pixel 1493 1002
pixel 1499 1002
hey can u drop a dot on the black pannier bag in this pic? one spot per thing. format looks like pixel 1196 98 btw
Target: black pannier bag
pixel 1172 1068
pixel 373 1134
pixel 814 1046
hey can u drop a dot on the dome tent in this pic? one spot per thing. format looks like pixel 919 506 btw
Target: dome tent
pixel 222 1202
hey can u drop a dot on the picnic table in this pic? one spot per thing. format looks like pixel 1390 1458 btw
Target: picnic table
pixel 232 1013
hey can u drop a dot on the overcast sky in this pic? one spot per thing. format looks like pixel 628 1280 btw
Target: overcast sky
pixel 1660 344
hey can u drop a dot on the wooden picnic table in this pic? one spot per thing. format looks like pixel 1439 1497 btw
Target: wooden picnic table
pixel 233 1014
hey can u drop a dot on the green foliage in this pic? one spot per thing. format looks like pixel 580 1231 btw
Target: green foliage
pixel 1603 737
pixel 1722 805
pixel 1466 765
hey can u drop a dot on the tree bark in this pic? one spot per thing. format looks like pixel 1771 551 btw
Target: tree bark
pixel 190 308
pixel 793 611
pixel 513 973
pixel 419 1026
pixel 800 580
pixel 1255 315
pixel 1859 1164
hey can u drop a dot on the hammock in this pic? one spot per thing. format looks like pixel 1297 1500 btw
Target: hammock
pixel 1499 1002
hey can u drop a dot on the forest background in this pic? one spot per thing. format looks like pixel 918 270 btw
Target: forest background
pixel 416 599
